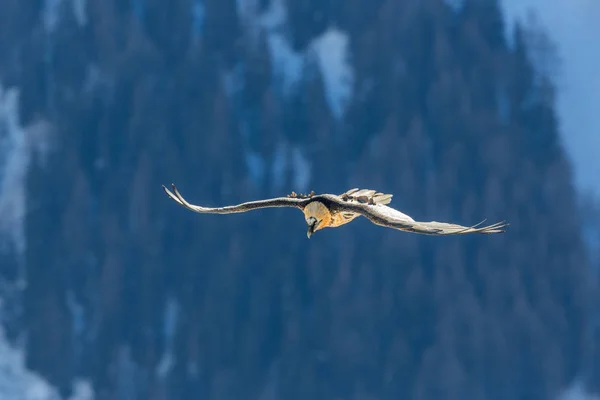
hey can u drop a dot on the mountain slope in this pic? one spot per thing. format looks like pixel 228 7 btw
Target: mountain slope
pixel 239 100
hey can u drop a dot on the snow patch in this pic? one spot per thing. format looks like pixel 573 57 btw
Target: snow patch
pixel 170 317
pixel 127 373
pixel 51 14
pixel 246 9
pixel 77 313
pixel 279 166
pixel 577 392
pixel 301 170
pixel 572 24
pixel 290 159
pixel 256 168
pixel 287 64
pixel 198 15
pixel 19 383
pixel 80 11
pixel 331 49
pixel 52 9
pixel 165 365
pixel 456 5
pixel 275 17
pixel 82 390
pixel 18 143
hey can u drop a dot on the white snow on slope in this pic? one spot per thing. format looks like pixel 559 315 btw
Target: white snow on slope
pixel 330 49
pixel 17 143
pixel 302 169
pixel 52 9
pixel 18 383
pixel 198 16
pixel 170 320
pixel 82 390
pixel 577 392
pixel 274 18
pixel 256 167
pixel 573 26
pixel 456 5
pixel 287 64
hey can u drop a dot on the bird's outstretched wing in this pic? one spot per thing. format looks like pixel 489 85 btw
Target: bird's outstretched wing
pixel 389 217
pixel 243 207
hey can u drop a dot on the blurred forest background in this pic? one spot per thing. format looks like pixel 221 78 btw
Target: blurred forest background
pixel 104 279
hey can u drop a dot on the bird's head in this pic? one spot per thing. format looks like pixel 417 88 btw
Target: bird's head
pixel 317 217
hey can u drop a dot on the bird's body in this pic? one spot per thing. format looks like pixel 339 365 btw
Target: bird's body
pixel 331 211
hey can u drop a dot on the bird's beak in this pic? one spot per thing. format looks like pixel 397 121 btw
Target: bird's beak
pixel 312 223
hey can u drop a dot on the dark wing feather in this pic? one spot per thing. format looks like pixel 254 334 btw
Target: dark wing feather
pixel 252 205
pixel 386 216
pixel 366 196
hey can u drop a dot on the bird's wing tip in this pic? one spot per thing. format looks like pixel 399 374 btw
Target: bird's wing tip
pixel 173 195
pixel 498 227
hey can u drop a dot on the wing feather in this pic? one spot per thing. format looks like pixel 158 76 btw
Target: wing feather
pixel 382 198
pixel 243 207
pixel 366 196
pixel 383 215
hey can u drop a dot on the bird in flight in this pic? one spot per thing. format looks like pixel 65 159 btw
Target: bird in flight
pixel 330 211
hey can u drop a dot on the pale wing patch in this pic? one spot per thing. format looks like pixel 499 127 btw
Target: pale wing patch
pixel 387 216
pixel 390 213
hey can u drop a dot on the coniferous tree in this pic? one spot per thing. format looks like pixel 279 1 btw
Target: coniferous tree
pixel 444 115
